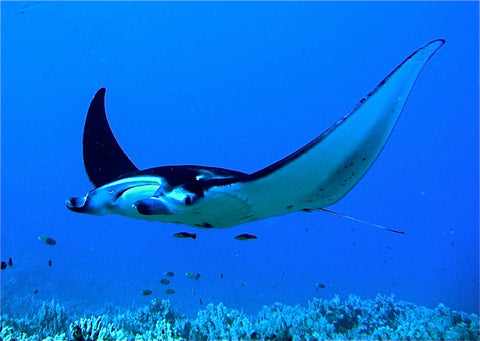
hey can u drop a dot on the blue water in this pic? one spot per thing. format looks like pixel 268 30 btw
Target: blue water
pixel 239 86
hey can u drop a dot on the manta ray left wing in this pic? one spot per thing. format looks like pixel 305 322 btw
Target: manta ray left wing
pixel 316 176
pixel 326 169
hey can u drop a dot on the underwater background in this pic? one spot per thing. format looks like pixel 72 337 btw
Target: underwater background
pixel 239 86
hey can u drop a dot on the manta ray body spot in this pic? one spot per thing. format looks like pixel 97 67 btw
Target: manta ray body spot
pixel 206 225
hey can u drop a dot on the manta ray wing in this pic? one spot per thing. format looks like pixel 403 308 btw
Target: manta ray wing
pixel 104 159
pixel 326 169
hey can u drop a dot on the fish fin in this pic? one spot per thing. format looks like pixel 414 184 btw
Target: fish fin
pixel 326 169
pixel 104 159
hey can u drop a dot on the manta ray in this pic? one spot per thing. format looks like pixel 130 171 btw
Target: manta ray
pixel 314 177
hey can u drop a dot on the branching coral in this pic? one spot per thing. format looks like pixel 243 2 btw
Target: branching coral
pixel 219 322
pixel 382 318
pixel 93 329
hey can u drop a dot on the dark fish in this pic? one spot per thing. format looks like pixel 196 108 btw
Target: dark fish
pixel 35 292
pixel 4 265
pixel 170 291
pixel 10 261
pixel 147 292
pixel 245 236
pixel 201 302
pixel 197 276
pixel 164 281
pixel 49 262
pixel 169 273
pixel 185 235
pixel 190 274
pixel 221 274
pixel 321 286
pixel 47 240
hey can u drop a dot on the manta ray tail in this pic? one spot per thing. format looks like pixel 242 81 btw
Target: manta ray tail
pixel 103 157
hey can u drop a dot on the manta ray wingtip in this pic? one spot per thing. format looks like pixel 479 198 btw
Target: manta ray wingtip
pixel 439 42
pixel 101 91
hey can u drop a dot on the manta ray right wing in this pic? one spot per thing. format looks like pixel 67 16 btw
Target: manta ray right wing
pixel 104 159
pixel 323 171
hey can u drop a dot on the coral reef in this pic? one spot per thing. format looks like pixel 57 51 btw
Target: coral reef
pixel 219 322
pixel 381 318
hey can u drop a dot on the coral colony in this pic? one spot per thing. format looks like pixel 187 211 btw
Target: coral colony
pixel 382 318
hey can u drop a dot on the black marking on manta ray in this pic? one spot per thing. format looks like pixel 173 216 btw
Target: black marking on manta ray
pixel 187 175
pixel 206 225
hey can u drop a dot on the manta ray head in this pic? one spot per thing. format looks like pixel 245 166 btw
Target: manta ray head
pixel 137 197
pixel 133 196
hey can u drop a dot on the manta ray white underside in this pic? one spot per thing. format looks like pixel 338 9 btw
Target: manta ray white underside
pixel 315 176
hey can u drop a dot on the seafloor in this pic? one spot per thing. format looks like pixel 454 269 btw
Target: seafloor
pixel 383 318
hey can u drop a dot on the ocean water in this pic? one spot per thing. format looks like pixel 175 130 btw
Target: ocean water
pixel 238 86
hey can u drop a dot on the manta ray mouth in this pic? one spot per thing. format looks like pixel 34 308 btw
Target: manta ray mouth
pixel 152 207
pixel 76 204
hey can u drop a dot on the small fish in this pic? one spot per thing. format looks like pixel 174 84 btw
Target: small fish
pixel 245 236
pixel 47 240
pixel 147 292
pixel 242 284
pixel 221 275
pixel 49 262
pixel 201 302
pixel 164 281
pixel 190 274
pixel 185 235
pixel 194 292
pixel 197 276
pixel 35 292
pixel 321 286
pixel 170 291
pixel 169 273
pixel 4 265
pixel 10 261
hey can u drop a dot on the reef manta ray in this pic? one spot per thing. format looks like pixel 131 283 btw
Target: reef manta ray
pixel 316 176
